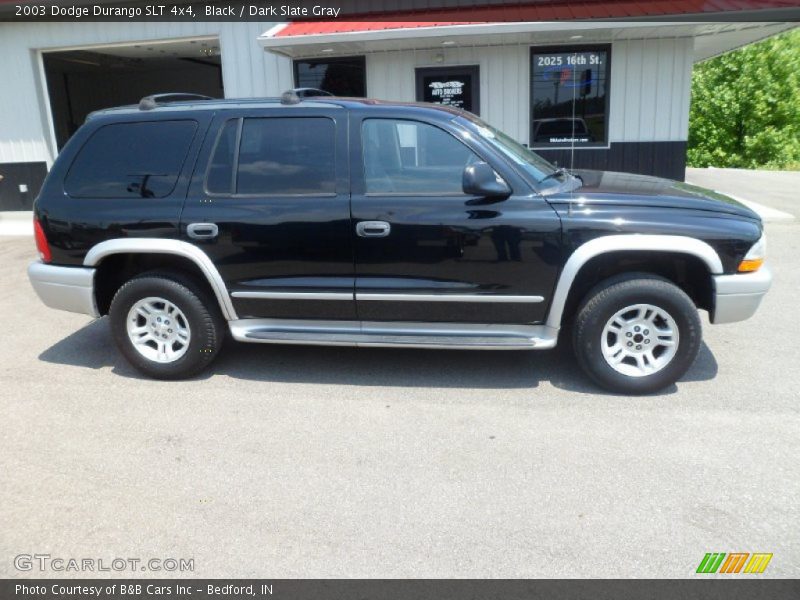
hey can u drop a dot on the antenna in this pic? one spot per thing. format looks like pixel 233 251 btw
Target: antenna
pixel 572 138
pixel 574 88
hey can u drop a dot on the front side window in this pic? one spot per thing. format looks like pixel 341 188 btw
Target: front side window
pixel 275 156
pixel 410 157
pixel 130 160
pixel 569 96
pixel 530 162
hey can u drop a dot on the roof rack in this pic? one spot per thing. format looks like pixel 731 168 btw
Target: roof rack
pixel 295 95
pixel 156 100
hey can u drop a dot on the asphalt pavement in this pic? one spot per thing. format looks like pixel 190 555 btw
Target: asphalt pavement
pixel 328 462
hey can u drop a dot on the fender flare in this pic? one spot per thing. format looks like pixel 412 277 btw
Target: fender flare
pixel 620 243
pixel 165 246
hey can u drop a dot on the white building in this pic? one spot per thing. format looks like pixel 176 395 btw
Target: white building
pixel 598 94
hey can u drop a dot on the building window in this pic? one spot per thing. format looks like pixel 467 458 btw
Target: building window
pixel 345 76
pixel 569 96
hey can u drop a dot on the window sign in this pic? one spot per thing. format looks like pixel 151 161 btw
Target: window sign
pixel 449 93
pixel 569 96
pixel 449 86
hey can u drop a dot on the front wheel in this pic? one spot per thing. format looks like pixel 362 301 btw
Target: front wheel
pixel 636 334
pixel 165 325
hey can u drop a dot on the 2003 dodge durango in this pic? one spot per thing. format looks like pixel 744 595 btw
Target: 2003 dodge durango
pixel 324 220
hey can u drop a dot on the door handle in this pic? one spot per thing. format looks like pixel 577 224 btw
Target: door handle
pixel 374 229
pixel 202 231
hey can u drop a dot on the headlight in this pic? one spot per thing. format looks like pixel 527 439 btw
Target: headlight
pixel 755 257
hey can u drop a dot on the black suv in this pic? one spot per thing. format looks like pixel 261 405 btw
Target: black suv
pixel 323 220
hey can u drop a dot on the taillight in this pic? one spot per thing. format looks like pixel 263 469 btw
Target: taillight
pixel 41 242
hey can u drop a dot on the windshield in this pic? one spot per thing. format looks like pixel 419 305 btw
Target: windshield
pixel 533 164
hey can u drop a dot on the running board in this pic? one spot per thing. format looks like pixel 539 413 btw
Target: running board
pixel 457 336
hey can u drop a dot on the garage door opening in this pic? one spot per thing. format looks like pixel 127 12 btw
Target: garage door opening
pixel 82 81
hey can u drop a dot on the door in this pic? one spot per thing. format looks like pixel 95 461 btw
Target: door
pixel 269 204
pixel 427 252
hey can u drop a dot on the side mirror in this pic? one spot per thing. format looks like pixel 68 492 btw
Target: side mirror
pixel 480 179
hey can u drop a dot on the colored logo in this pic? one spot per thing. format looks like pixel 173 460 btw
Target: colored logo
pixel 734 562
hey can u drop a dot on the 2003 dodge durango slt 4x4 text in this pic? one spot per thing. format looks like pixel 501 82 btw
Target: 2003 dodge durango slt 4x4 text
pixel 324 220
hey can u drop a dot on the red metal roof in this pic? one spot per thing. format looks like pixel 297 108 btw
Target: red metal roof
pixel 320 27
pixel 544 10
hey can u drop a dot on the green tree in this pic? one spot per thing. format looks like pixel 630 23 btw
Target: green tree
pixel 746 107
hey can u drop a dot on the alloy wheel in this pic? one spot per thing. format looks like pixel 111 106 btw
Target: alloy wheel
pixel 158 330
pixel 640 340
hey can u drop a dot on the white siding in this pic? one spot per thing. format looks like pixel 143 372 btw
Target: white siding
pixel 247 70
pixel 650 85
pixel 650 90
pixel 504 76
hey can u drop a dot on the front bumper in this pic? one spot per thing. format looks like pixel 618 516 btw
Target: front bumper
pixel 736 297
pixel 64 288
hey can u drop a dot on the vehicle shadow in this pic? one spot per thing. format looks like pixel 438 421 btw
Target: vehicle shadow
pixel 92 347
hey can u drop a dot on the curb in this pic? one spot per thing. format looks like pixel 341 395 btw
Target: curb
pixel 16 223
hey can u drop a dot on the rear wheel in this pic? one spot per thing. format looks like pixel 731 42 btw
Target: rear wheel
pixel 165 325
pixel 636 334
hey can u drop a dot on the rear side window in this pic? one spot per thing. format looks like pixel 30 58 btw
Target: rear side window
pixel 131 160
pixel 275 156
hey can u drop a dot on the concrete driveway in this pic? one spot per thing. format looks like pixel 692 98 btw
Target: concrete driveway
pixel 315 462
pixel 773 194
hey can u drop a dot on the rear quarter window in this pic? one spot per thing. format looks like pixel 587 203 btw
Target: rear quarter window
pixel 131 160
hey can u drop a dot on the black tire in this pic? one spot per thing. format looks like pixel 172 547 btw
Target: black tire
pixel 613 295
pixel 200 310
